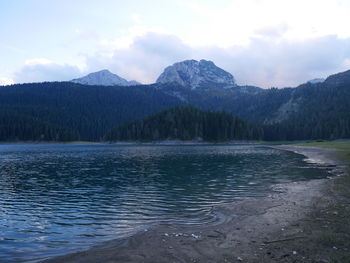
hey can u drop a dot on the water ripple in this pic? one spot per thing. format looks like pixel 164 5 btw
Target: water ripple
pixel 56 199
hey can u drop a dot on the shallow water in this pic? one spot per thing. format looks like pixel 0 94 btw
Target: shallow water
pixel 56 199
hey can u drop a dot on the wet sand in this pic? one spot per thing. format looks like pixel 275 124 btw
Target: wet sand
pixel 297 222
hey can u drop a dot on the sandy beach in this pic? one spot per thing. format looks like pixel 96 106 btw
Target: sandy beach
pixel 297 222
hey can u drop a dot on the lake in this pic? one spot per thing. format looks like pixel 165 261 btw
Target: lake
pixel 60 198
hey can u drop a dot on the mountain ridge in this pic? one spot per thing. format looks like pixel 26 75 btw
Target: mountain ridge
pixel 65 110
pixel 104 78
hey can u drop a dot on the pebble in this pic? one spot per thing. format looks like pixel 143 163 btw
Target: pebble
pixel 195 236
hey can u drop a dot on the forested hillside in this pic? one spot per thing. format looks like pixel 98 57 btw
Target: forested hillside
pixel 69 111
pixel 323 112
pixel 309 111
pixel 15 127
pixel 186 123
pixel 88 112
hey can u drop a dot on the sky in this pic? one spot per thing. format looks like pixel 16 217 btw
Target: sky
pixel 267 43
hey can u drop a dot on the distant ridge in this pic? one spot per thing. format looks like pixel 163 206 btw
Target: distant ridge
pixel 104 78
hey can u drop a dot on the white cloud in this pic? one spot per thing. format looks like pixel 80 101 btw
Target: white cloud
pixel 238 21
pixel 264 62
pixel 143 58
pixel 42 69
pixel 126 40
pixel 136 18
pixel 6 81
pixel 287 63
pixel 261 42
pixel 37 61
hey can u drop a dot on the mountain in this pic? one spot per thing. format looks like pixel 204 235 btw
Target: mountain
pixel 104 78
pixel 186 123
pixel 67 111
pixel 197 74
pixel 310 111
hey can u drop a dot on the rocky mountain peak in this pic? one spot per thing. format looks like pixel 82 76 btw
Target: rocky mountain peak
pixel 104 78
pixel 194 74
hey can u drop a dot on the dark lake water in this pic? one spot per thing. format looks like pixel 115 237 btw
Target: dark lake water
pixel 56 199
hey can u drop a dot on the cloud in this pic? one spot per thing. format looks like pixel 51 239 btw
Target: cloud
pixel 42 69
pixel 261 42
pixel 264 62
pixel 289 63
pixel 236 22
pixel 267 61
pixel 37 61
pixel 6 81
pixel 275 31
pixel 143 59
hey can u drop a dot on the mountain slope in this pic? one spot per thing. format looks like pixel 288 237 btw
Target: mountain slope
pixel 104 78
pixel 186 123
pixel 309 111
pixel 322 111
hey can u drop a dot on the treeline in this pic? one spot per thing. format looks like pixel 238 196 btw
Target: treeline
pixel 186 123
pixel 14 127
pixel 296 129
pixel 87 112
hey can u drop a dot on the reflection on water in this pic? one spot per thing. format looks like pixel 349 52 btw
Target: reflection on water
pixel 56 199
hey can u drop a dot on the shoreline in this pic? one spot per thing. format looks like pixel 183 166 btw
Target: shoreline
pixel 133 143
pixel 276 228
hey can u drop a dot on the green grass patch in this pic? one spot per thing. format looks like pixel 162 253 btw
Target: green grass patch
pixel 282 142
pixel 343 146
pixel 340 145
